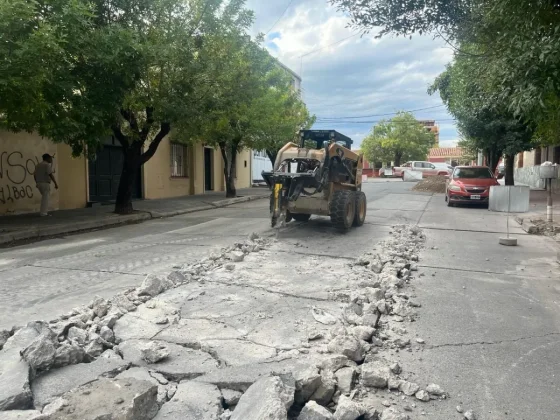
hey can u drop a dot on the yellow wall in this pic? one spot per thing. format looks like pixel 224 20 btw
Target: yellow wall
pixel 71 178
pixel 157 179
pixel 244 174
pixel 19 154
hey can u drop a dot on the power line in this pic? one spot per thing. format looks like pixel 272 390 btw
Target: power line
pixel 378 115
pixel 281 16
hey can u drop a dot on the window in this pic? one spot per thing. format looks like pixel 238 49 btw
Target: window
pixel 428 165
pixel 418 164
pixel 472 173
pixel 178 160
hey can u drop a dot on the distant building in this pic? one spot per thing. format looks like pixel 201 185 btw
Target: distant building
pixel 259 160
pixel 296 78
pixel 432 127
pixel 451 155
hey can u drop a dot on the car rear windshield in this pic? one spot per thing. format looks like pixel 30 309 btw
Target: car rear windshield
pixel 482 173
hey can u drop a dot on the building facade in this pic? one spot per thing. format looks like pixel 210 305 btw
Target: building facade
pixel 527 167
pixel 451 155
pixel 432 127
pixel 175 170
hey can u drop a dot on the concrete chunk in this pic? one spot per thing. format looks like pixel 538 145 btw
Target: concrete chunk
pixel 307 382
pixel 126 399
pixel 193 400
pixel 15 391
pixel 269 398
pixel 375 374
pixel 348 346
pixel 313 411
pixel 182 363
pixel 345 378
pixel 56 382
pixel 347 409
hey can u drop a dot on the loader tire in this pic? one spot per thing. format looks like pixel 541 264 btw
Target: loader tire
pixel 361 209
pixel 300 217
pixel 343 209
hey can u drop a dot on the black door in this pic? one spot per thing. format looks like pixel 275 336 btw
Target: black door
pixel 208 168
pixel 104 175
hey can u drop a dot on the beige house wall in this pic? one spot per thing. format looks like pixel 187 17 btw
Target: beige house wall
pixel 72 179
pixel 20 153
pixel 158 182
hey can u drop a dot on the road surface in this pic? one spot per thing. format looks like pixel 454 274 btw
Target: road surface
pixel 490 315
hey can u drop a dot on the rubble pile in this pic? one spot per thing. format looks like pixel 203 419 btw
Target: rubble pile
pixel 82 343
pixel 142 356
pixel 433 184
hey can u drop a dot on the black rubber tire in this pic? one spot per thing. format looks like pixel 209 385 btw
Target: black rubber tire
pixel 361 209
pixel 449 203
pixel 300 217
pixel 343 209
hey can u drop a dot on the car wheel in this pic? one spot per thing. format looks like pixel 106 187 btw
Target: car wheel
pixel 449 203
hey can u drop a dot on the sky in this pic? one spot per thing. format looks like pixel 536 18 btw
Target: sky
pixel 354 76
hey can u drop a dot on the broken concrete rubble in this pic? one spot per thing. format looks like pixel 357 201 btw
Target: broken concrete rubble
pixel 375 374
pixel 182 363
pixel 153 352
pixel 306 381
pixel 347 409
pixel 54 383
pixel 106 399
pixel 269 398
pixel 409 388
pixel 193 400
pixel 348 346
pixel 313 411
pixel 345 378
pixel 326 388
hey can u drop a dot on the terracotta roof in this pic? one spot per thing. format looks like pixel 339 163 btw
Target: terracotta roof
pixel 446 152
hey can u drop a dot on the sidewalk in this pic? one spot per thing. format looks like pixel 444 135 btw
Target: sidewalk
pixel 31 226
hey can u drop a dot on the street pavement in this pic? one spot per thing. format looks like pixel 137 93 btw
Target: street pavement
pixel 490 315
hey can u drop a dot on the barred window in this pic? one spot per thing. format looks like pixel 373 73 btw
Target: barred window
pixel 178 160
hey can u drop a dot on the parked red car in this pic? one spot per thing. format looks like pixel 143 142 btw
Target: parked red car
pixel 469 184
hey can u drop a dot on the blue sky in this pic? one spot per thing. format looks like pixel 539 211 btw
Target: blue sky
pixel 353 76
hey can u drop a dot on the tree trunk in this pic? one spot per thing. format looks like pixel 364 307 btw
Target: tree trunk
pixel 509 164
pixel 398 157
pixel 272 156
pixel 133 158
pixel 229 155
pixel 131 165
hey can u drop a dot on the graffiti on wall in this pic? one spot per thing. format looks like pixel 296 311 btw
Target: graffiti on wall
pixel 16 176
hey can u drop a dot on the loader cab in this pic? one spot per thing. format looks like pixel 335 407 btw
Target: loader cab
pixel 317 138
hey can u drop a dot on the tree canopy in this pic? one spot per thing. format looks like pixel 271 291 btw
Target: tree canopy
pixel 510 48
pixel 400 139
pixel 76 71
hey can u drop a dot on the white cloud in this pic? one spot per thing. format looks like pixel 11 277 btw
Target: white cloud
pixel 358 76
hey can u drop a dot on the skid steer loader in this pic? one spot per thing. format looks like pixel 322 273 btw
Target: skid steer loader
pixel 319 176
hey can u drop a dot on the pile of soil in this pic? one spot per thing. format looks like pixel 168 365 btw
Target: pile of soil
pixel 434 184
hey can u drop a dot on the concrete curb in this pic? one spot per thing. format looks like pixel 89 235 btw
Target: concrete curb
pixel 38 232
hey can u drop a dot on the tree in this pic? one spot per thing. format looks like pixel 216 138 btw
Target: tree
pixel 481 118
pixel 281 114
pixel 134 70
pixel 402 138
pixel 516 45
pixel 244 73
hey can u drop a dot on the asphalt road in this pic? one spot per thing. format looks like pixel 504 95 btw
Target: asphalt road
pixel 490 315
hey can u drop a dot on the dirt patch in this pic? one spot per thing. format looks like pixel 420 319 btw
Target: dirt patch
pixel 434 184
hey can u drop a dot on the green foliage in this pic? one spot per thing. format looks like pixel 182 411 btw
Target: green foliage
pixel 399 139
pixel 487 123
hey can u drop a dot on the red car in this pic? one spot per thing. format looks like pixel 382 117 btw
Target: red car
pixel 469 184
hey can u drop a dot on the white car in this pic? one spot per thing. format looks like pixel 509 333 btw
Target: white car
pixel 443 166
